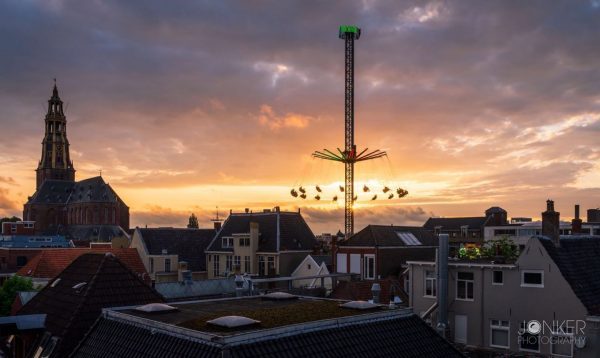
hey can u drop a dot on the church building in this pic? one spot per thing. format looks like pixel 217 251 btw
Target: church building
pixel 81 210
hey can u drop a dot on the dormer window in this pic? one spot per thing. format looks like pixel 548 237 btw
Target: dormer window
pixel 464 230
pixel 437 230
pixel 227 242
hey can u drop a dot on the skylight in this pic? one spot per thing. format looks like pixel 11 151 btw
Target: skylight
pixel 155 307
pixel 233 321
pixel 408 238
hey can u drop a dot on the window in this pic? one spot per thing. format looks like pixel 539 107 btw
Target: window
pixel 532 278
pixel 562 340
pixel 369 272
pixel 167 265
pixel 13 228
pixel 309 266
pixel 227 242
pixel 151 265
pixel 216 268
pixel 464 231
pixel 408 238
pixel 247 264
pixel 244 241
pixel 229 263
pixel 499 333
pixel 271 265
pixel 21 261
pixel 237 262
pixel 464 286
pixel 341 263
pixel 430 284
pixel 261 266
pixel 527 341
pixel 498 277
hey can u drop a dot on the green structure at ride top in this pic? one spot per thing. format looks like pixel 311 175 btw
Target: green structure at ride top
pixel 349 155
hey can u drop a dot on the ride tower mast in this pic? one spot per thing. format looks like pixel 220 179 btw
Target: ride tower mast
pixel 349 156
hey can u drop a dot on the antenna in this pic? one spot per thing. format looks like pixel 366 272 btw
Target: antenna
pixel 216 219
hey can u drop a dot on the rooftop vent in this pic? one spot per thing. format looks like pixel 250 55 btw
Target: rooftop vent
pixel 279 296
pixel 164 251
pixel 155 307
pixel 408 238
pixel 360 305
pixel 233 322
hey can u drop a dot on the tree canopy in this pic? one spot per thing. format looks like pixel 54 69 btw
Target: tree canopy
pixel 193 222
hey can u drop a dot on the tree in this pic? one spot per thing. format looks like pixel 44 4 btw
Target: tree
pixel 14 219
pixel 193 222
pixel 9 290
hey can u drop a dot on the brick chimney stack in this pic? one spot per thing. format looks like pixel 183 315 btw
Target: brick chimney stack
pixel 576 222
pixel 551 223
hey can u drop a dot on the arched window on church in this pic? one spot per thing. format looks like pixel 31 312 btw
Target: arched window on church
pixel 114 216
pixel 105 218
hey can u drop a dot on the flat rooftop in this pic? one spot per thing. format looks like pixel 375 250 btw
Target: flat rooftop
pixel 299 327
pixel 271 313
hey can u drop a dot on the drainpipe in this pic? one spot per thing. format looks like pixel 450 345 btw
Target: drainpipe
pixel 442 281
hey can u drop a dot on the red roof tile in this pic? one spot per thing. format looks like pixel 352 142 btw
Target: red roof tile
pixel 50 262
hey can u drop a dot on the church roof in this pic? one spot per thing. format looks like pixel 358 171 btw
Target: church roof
pixel 89 190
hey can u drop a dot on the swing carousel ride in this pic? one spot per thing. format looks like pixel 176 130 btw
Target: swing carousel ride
pixel 349 156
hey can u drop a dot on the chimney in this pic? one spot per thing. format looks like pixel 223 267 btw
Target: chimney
pixel 181 268
pixel 254 238
pixel 442 290
pixel 576 222
pixel 217 225
pixel 551 223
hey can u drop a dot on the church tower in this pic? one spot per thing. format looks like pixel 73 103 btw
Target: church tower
pixel 56 162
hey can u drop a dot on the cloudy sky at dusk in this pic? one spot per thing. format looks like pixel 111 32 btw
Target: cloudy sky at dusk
pixel 189 105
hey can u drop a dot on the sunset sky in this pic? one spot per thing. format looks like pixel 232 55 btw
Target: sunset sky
pixel 189 105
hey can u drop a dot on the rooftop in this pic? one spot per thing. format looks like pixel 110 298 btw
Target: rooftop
pixel 577 260
pixel 189 244
pixel 74 300
pixel 297 327
pixel 456 223
pixel 49 263
pixel 388 235
pixel 278 231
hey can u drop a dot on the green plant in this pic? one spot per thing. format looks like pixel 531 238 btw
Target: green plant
pixel 504 247
pixel 9 290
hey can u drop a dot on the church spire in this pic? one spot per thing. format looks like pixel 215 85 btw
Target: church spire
pixel 55 162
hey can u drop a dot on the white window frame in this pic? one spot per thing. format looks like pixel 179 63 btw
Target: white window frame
pixel 497 283
pixel 165 263
pixel 247 265
pixel 523 284
pixel 433 286
pixel 229 263
pixel 524 329
pixel 466 287
pixel 367 257
pixel 499 328
pixel 227 242
pixel 559 332
pixel 216 265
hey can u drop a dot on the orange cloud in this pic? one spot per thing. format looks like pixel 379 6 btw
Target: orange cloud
pixel 269 118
